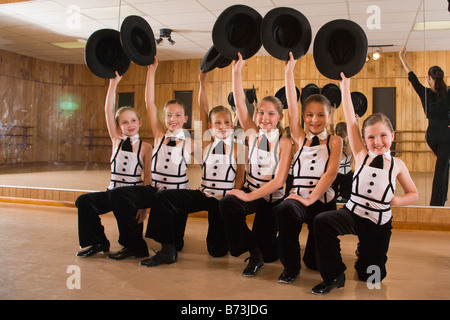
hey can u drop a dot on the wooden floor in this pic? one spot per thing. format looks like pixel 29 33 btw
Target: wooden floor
pixel 38 245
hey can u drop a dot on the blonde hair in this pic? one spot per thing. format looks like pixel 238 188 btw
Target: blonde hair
pixel 123 109
pixel 374 119
pixel 278 105
pixel 219 109
pixel 341 131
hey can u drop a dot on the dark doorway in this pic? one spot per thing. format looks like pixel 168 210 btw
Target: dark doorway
pixel 384 102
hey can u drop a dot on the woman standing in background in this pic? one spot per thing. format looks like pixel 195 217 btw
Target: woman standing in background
pixel 436 104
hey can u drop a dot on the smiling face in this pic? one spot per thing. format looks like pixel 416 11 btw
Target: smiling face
pixel 221 124
pixel 316 117
pixel 129 123
pixel 267 116
pixel 174 116
pixel 378 138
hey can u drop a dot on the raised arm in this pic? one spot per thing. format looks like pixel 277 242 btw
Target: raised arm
pixel 297 132
pixel 402 55
pixel 354 134
pixel 203 102
pixel 239 97
pixel 113 129
pixel 152 111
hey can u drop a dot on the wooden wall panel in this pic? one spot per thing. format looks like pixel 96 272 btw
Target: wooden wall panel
pixel 31 91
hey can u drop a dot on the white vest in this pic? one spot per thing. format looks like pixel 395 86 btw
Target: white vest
pixel 261 168
pixel 309 165
pixel 169 166
pixel 372 192
pixel 126 168
pixel 345 164
pixel 218 171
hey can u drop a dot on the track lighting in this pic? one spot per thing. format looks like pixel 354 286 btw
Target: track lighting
pixel 165 33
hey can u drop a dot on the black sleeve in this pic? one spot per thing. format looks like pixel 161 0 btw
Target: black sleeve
pixel 420 89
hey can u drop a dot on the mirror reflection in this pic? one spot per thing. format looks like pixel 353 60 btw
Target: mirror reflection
pixel 53 133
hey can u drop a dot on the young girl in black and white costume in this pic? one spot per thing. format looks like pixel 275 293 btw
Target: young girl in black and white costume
pixel 221 172
pixel 368 212
pixel 342 186
pixel 171 154
pixel 314 169
pixel 269 161
pixel 130 166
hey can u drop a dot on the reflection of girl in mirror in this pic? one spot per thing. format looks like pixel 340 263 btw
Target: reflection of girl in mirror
pixel 368 211
pixel 130 162
pixel 436 104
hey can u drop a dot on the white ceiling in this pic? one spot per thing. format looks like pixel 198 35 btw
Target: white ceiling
pixel 30 28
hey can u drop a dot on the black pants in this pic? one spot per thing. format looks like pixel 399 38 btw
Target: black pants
pixel 373 243
pixel 262 237
pixel 125 202
pixel 290 216
pixel 90 207
pixel 342 185
pixel 167 223
pixel 438 139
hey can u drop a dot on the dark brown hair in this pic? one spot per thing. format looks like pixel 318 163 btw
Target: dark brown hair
pixel 437 74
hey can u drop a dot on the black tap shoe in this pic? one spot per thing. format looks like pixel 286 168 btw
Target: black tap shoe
pixel 325 287
pixel 100 247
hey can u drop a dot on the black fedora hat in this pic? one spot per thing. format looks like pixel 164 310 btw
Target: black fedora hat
pixel 340 46
pixel 281 94
pixel 285 30
pixel 333 94
pixel 213 59
pixel 359 101
pixel 237 29
pixel 138 40
pixel 308 90
pixel 104 55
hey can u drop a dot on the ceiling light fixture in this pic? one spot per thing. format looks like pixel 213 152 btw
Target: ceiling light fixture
pixel 377 54
pixel 165 33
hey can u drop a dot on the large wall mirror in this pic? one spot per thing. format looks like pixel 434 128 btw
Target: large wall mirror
pixel 49 136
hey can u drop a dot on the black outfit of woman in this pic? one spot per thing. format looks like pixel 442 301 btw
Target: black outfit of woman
pixel 437 137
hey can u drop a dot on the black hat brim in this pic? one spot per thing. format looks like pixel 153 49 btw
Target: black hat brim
pixel 340 46
pixel 359 101
pixel 104 55
pixel 333 94
pixel 285 30
pixel 307 91
pixel 281 94
pixel 138 40
pixel 213 59
pixel 237 29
